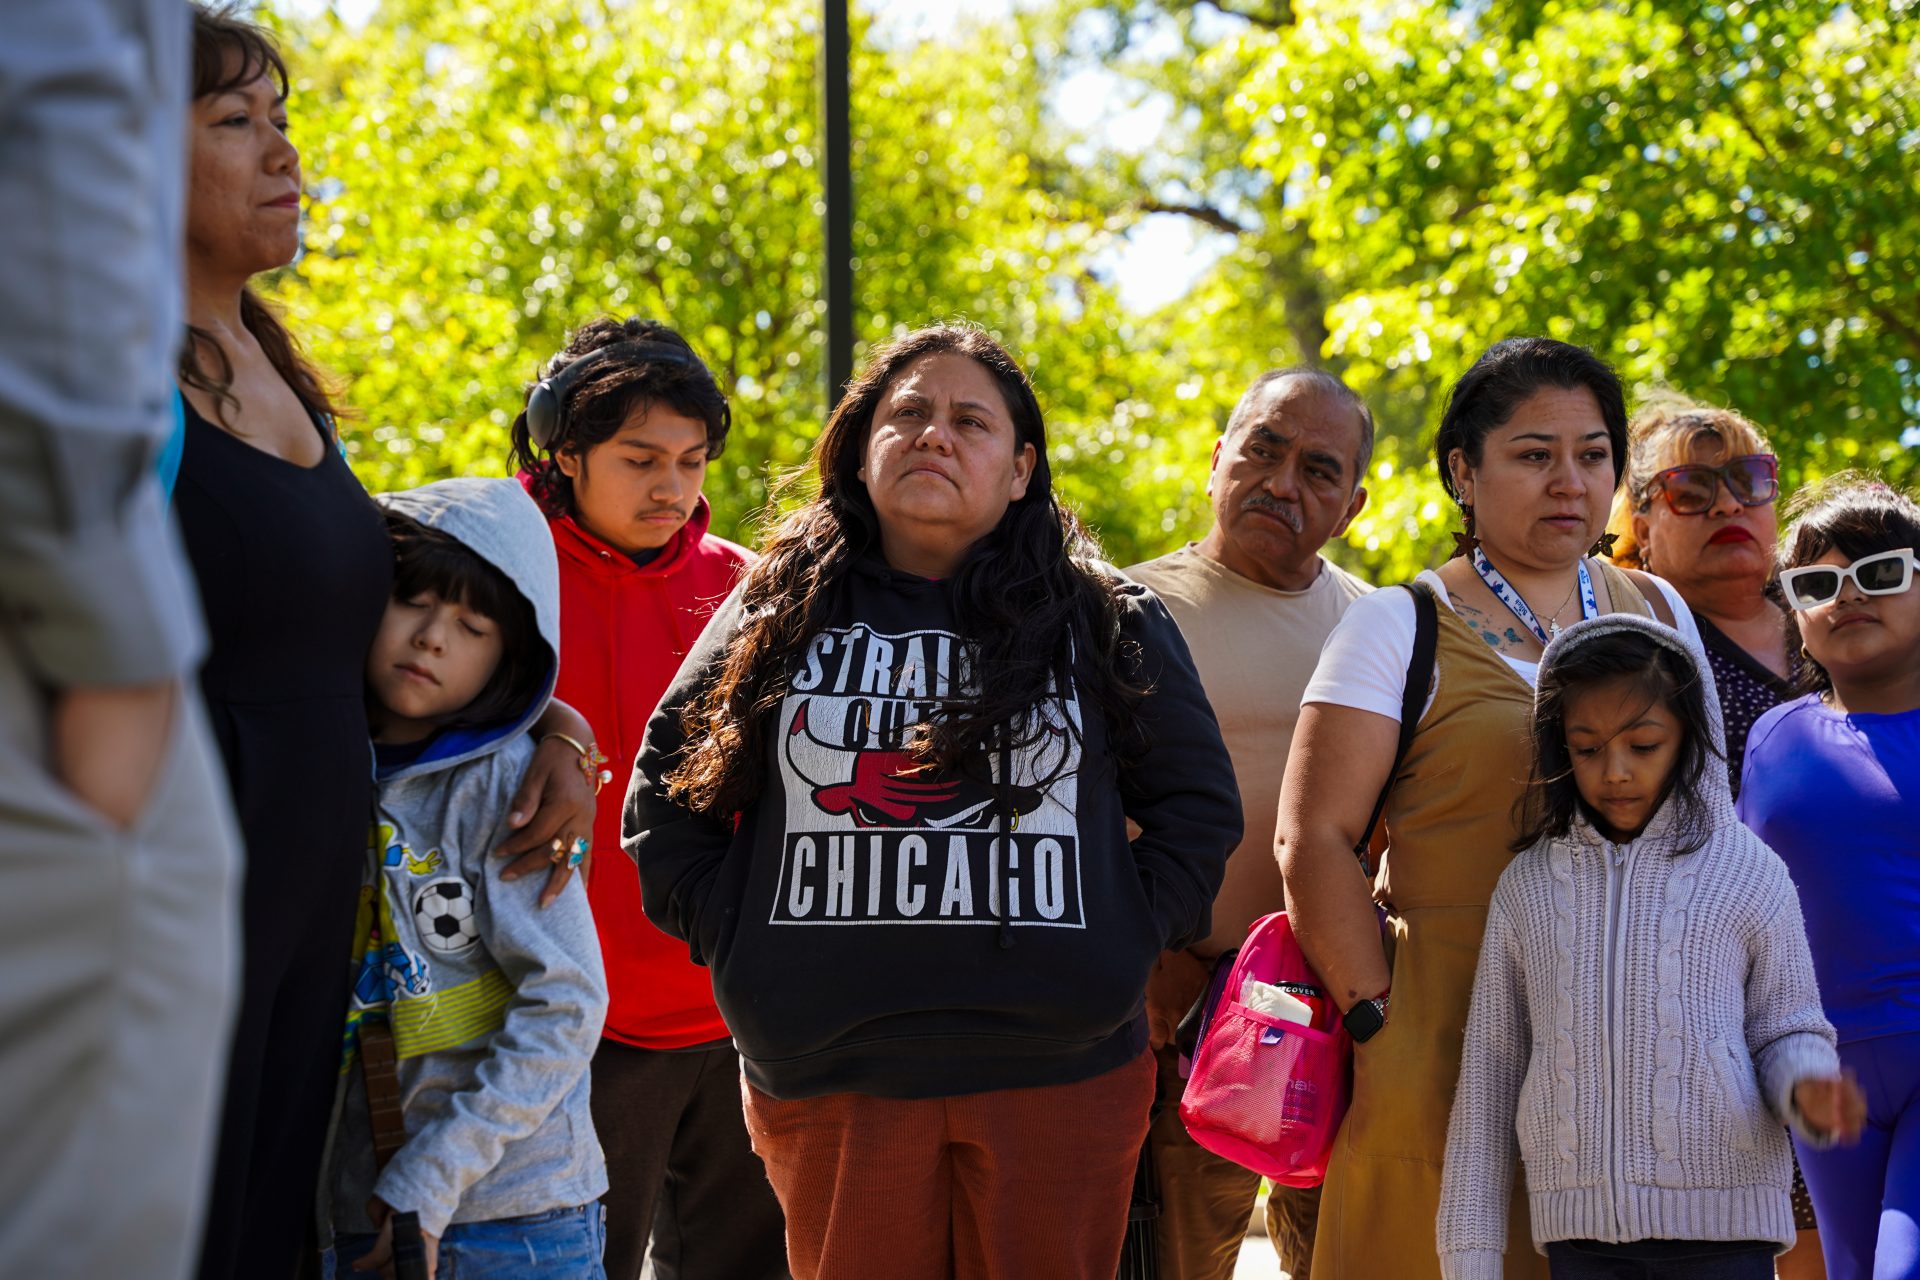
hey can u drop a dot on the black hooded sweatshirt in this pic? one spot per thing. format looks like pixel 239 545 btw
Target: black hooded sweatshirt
pixel 864 931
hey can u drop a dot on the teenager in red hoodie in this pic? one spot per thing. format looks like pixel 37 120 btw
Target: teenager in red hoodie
pixel 614 445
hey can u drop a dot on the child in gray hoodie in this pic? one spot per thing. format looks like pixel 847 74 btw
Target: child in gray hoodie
pixel 493 1004
pixel 1645 1017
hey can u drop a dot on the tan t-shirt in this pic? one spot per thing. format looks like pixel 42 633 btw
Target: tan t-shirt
pixel 1255 649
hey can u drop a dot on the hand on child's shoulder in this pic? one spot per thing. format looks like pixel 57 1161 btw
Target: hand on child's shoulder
pixel 554 804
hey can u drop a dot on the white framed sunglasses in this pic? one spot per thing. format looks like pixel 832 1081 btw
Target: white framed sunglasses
pixel 1885 573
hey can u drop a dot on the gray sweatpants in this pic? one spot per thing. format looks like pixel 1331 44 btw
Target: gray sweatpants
pixel 117 983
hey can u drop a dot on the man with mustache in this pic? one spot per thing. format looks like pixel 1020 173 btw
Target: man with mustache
pixel 614 445
pixel 1256 601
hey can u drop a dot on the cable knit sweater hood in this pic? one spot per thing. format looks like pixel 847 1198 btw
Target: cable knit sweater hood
pixel 1640 1016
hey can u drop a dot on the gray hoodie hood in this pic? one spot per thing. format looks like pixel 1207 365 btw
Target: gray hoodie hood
pixel 1716 794
pixel 497 521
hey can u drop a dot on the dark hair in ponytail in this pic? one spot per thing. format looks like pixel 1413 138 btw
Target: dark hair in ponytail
pixel 1511 371
pixel 229 52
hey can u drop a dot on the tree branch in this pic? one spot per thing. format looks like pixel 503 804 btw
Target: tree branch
pixel 1731 101
pixel 1279 19
pixel 1205 213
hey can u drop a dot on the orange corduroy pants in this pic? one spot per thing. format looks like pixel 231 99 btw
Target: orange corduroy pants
pixel 1008 1185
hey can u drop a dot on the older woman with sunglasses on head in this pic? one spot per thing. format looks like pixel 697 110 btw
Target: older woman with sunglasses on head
pixel 1833 784
pixel 1697 509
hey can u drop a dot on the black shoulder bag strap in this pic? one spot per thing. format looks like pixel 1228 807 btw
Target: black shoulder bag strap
pixel 1426 635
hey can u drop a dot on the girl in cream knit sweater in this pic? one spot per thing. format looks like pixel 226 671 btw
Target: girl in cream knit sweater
pixel 1645 1017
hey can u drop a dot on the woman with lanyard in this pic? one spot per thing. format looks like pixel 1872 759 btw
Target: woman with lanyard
pixel 293 567
pixel 1532 445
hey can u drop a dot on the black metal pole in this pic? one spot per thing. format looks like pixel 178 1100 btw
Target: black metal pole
pixel 836 159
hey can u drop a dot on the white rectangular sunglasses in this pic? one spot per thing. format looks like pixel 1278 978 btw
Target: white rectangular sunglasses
pixel 1885 573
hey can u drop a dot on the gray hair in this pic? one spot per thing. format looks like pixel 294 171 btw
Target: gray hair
pixel 1327 384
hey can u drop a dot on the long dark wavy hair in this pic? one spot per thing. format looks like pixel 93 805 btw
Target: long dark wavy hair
pixel 1652 670
pixel 599 405
pixel 229 52
pixel 1855 513
pixel 1034 604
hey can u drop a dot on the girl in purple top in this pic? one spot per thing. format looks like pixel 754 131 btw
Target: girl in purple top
pixel 1833 784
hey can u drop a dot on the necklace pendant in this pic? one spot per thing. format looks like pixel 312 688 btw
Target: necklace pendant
pixel 1553 627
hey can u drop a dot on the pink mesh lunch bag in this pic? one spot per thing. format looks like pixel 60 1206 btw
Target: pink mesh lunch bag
pixel 1266 1093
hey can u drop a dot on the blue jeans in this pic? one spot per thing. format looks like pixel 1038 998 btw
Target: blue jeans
pixel 560 1244
pixel 1661 1260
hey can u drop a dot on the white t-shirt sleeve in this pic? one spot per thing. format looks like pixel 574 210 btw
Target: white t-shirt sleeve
pixel 1689 629
pixel 1364 663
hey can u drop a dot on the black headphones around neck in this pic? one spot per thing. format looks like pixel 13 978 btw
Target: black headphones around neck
pixel 546 412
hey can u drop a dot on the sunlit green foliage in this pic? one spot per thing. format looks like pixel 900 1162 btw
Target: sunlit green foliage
pixel 1724 198
pixel 1721 197
pixel 488 176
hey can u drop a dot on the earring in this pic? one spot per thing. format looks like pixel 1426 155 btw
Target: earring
pixel 1603 548
pixel 1464 543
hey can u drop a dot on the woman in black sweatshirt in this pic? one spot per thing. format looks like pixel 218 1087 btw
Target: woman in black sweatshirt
pixel 886 801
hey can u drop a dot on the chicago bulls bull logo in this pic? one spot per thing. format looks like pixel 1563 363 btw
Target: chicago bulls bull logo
pixel 875 837
pixel 851 753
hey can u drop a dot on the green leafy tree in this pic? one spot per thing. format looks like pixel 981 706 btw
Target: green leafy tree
pixel 1724 198
pixel 489 176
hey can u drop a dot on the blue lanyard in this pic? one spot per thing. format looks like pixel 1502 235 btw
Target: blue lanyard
pixel 1504 592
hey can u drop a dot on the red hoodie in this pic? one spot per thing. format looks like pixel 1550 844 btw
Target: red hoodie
pixel 623 630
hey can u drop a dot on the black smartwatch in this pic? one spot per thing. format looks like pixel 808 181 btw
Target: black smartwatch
pixel 1365 1018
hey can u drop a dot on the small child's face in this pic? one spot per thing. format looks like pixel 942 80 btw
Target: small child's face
pixel 1858 637
pixel 430 658
pixel 1623 748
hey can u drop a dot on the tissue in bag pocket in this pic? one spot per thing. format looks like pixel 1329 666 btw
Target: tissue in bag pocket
pixel 1264 997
